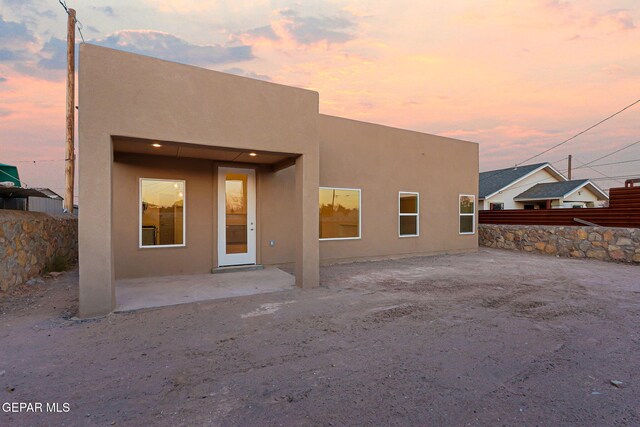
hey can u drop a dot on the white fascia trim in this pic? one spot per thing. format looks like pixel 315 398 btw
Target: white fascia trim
pixel 546 165
pixel 588 182
pixel 536 198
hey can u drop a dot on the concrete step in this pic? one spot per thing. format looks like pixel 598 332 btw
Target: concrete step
pixel 236 268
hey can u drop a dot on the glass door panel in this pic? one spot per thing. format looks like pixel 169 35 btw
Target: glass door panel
pixel 236 213
pixel 236 240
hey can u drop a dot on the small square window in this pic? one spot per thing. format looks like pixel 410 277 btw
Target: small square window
pixel 467 214
pixel 408 213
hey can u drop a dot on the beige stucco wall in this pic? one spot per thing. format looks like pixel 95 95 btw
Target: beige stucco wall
pixel 391 160
pixel 275 192
pixel 127 95
pixel 382 161
pixel 275 216
pixel 198 254
pixel 123 94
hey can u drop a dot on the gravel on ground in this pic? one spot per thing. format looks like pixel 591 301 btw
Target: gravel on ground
pixel 488 338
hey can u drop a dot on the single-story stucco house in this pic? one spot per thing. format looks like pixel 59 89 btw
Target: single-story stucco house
pixel 536 186
pixel 184 170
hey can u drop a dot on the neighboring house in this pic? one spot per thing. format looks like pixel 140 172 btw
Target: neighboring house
pixel 537 186
pixel 184 170
pixel 15 197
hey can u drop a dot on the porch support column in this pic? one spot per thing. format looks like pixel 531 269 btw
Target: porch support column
pixel 97 284
pixel 95 152
pixel 307 244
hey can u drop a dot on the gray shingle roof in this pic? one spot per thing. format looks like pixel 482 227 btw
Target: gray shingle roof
pixel 492 181
pixel 550 190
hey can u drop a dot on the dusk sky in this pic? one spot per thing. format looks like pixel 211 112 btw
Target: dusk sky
pixel 515 76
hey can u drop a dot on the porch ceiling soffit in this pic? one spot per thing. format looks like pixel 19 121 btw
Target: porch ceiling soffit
pixel 196 151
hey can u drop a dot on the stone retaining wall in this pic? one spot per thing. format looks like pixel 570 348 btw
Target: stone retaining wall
pixel 32 243
pixel 607 244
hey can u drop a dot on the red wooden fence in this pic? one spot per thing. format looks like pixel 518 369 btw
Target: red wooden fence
pixel 623 211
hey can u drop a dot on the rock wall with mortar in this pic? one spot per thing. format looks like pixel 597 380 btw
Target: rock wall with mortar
pixel 33 242
pixel 606 244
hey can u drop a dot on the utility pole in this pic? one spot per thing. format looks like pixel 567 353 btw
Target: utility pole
pixel 569 167
pixel 70 156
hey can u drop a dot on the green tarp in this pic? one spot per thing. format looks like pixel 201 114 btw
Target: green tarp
pixel 9 173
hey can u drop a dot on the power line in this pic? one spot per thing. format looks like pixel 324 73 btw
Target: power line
pixel 78 23
pixel 14 177
pixel 616 177
pixel 35 161
pixel 567 140
pixel 614 152
pixel 584 131
pixel 611 164
pixel 597 171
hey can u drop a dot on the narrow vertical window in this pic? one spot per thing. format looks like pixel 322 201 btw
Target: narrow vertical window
pixel 467 213
pixel 339 213
pixel 162 214
pixel 409 213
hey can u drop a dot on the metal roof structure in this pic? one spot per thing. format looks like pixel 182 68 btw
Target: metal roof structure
pixel 15 192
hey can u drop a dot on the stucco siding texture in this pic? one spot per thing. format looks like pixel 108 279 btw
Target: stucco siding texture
pixel 379 160
pixel 382 161
pixel 197 256
pixel 128 95
pixel 138 96
pixel 276 218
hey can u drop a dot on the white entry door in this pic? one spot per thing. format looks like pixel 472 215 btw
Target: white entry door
pixel 236 216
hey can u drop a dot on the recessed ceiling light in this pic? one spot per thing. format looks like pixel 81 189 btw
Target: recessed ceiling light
pixel 156 145
pixel 252 154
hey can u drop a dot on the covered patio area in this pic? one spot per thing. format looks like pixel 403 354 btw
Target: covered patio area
pixel 151 292
pixel 187 170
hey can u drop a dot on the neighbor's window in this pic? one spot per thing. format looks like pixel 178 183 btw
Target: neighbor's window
pixel 467 214
pixel 161 212
pixel 409 206
pixel 339 213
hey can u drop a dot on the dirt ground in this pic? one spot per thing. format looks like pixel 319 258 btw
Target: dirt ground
pixel 493 338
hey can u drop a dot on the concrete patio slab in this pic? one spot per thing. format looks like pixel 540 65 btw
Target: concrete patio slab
pixel 148 292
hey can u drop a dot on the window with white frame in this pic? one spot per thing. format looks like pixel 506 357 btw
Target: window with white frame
pixel 467 213
pixel 339 213
pixel 162 213
pixel 408 214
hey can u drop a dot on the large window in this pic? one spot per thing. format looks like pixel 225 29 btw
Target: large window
pixel 409 212
pixel 339 213
pixel 162 214
pixel 467 214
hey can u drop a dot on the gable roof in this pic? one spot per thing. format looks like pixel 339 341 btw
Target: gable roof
pixel 558 190
pixel 492 182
